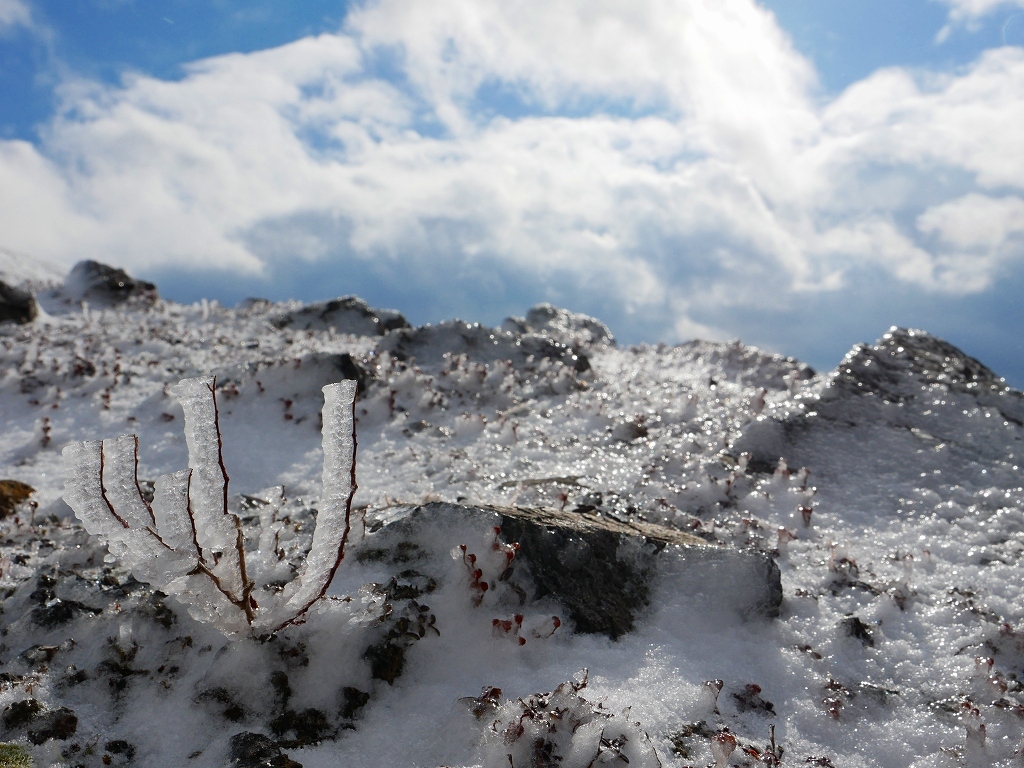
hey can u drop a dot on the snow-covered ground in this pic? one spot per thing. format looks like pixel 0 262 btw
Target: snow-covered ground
pixel 896 518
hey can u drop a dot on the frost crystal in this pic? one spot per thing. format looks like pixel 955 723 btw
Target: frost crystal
pixel 188 543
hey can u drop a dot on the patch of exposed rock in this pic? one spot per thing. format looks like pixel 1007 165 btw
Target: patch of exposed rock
pixel 17 305
pixel 13 493
pixel 348 314
pixel 601 569
pixel 428 344
pixel 104 285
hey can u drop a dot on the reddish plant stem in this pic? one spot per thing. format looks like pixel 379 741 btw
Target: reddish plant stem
pixel 244 601
pixel 103 492
pixel 192 518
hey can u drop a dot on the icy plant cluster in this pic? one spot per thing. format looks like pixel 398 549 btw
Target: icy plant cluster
pixel 187 542
pixel 560 728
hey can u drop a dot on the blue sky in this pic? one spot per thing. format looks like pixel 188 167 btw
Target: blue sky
pixel 796 173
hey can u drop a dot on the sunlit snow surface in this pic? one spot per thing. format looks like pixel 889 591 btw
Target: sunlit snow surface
pixel 915 531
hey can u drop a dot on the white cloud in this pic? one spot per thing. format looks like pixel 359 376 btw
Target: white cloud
pixel 968 13
pixel 674 150
pixel 14 13
pixel 969 10
pixel 975 222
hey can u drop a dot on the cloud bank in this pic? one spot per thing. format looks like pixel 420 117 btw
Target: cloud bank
pixel 662 164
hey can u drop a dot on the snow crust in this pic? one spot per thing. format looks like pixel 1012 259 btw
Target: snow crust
pixel 902 628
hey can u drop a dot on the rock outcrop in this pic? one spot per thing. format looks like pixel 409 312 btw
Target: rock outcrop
pixel 910 394
pixel 602 570
pixel 17 305
pixel 348 314
pixel 427 345
pixel 104 285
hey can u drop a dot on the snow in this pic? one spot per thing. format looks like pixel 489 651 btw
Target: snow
pixel 17 269
pixel 902 626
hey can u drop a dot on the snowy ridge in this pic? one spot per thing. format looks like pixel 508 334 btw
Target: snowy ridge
pixel 896 519
pixel 18 269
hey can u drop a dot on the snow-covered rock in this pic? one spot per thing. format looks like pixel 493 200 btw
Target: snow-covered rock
pixel 570 328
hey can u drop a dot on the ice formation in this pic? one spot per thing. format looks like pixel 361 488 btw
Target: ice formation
pixel 188 543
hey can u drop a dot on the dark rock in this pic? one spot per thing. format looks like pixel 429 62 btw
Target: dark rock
pixel 629 430
pixel 120 747
pixel 40 654
pixel 354 700
pixel 154 606
pixel 858 630
pixel 300 729
pixel 17 305
pixel 43 593
pixel 428 344
pixel 282 689
pixel 387 661
pixel 584 572
pixel 119 670
pixel 60 724
pixel 349 314
pixel 75 677
pixel 255 750
pixel 50 616
pixel 570 328
pixel 599 568
pixel 12 493
pixel 311 372
pixel 223 703
pixel 21 713
pixel 106 286
pixel 350 369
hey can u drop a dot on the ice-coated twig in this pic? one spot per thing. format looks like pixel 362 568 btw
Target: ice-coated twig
pixel 333 521
pixel 188 543
pixel 217 530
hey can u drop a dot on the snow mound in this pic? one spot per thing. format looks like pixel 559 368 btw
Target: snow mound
pixel 22 270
